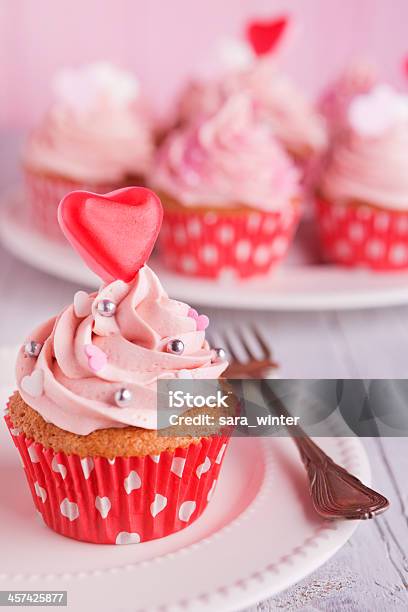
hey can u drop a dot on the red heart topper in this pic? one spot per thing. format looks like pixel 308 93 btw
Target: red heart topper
pixel 114 233
pixel 265 36
pixel 405 66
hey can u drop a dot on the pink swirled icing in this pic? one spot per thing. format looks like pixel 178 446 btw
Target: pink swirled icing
pixel 372 168
pixel 277 101
pixel 78 397
pixel 101 134
pixel 225 159
pixel 358 78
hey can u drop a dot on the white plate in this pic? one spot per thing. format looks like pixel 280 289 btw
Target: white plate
pixel 258 536
pixel 299 284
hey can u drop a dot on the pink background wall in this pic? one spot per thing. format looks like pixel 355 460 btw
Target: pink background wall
pixel 162 40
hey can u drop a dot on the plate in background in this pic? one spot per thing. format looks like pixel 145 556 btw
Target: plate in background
pixel 299 284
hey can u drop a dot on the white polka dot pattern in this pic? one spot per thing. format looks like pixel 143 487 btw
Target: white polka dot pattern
pixel 125 501
pixel 33 454
pixel 186 510
pixel 361 235
pixel 243 243
pixel 158 504
pixel 40 492
pixel 69 509
pixel 127 538
pixel 103 505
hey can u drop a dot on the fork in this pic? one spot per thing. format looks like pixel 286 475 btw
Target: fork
pixel 334 491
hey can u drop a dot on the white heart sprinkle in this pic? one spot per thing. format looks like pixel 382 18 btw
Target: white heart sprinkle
pixel 112 461
pixel 177 466
pixel 103 505
pixel 69 509
pixel 221 453
pixel 40 492
pixel 155 458
pixel 87 465
pixel 132 482
pixel 203 468
pixel 82 304
pixel 186 510
pixel 14 431
pixel 33 384
pixel 211 491
pixel 59 468
pixel 159 504
pixel 127 538
pixel 33 454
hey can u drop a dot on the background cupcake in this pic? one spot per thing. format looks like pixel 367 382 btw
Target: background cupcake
pixel 230 194
pixel 363 205
pixel 85 420
pixel 97 136
pixel 359 77
pixel 252 66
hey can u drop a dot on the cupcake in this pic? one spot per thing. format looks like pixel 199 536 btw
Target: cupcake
pixel 362 205
pixel 84 417
pixel 96 136
pixel 252 66
pixel 360 77
pixel 230 195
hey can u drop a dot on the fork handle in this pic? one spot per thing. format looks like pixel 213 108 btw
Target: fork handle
pixel 335 492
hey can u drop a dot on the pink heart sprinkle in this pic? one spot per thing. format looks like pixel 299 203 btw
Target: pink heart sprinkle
pixel 97 359
pixel 193 314
pixel 202 322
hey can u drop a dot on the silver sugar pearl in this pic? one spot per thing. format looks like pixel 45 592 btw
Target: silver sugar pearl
pixel 106 308
pixel 32 348
pixel 175 346
pixel 123 397
pixel 220 354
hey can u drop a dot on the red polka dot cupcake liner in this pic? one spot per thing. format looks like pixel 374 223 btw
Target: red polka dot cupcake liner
pixel 216 244
pixel 43 195
pixel 126 500
pixel 362 235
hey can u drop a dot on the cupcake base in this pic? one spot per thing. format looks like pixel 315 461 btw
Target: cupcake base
pixel 215 243
pixel 123 500
pixel 44 193
pixel 360 235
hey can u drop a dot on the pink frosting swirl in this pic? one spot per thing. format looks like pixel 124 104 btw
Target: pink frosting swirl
pixel 369 161
pixel 225 159
pixel 101 134
pixel 77 394
pixel 358 78
pixel 371 170
pixel 277 101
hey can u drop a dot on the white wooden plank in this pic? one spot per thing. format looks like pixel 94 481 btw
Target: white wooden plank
pixel 377 341
pixel 306 345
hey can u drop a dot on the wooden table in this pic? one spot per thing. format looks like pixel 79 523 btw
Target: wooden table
pixel 370 573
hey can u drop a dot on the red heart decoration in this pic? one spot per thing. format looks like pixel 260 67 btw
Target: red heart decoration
pixel 114 233
pixel 264 36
